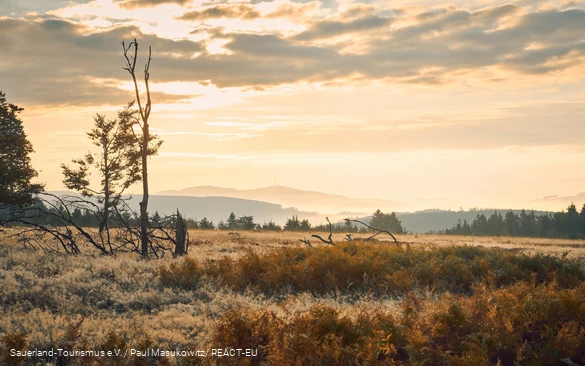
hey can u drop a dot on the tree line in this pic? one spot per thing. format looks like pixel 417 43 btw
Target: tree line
pixel 379 220
pixel 88 218
pixel 565 224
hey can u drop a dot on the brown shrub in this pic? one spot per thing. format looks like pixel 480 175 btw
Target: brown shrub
pixel 350 268
pixel 523 324
pixel 17 341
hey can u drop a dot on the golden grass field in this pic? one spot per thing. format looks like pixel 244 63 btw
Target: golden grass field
pixel 356 303
pixel 211 244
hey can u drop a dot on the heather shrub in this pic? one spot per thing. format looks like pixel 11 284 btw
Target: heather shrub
pixel 382 270
pixel 321 336
pixel 522 324
pixel 15 340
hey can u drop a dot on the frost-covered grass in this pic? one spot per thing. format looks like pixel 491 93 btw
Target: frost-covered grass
pixel 295 304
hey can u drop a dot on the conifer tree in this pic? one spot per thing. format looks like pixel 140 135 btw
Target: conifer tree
pixel 16 171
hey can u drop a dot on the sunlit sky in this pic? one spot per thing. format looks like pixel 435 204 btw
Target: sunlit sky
pixel 478 102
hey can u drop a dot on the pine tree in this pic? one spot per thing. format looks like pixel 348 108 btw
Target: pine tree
pixel 206 224
pixel 292 224
pixel 16 171
pixel 246 223
pixel 232 222
pixel 388 222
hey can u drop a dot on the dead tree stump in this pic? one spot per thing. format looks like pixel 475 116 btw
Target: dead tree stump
pixel 181 246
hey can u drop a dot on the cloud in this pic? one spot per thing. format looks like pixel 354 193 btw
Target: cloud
pixel 21 7
pixel 131 4
pixel 53 61
pixel 59 55
pixel 294 10
pixel 330 28
pixel 240 11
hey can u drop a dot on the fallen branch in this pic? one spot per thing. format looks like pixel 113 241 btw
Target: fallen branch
pixel 378 231
pixel 306 242
pixel 329 239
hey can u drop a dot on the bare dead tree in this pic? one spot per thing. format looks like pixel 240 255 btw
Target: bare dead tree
pixel 376 231
pixel 145 138
pixel 329 239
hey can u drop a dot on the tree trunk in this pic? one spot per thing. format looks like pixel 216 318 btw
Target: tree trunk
pixel 181 247
pixel 144 202
pixel 104 226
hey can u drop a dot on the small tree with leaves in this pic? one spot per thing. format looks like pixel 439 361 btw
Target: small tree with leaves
pixel 16 171
pixel 116 162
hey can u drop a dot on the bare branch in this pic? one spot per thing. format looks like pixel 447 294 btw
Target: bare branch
pixel 306 242
pixel 378 231
pixel 329 239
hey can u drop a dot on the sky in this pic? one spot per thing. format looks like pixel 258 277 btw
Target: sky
pixel 477 103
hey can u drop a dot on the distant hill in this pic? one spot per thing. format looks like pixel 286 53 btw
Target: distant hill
pixel 219 208
pixel 305 200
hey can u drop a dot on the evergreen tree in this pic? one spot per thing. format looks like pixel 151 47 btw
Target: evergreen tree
pixel 582 220
pixel 246 223
pixel 545 226
pixel 480 225
pixel 495 224
pixel 388 222
pixel 16 171
pixel 512 226
pixel 292 224
pixel 573 222
pixel 232 222
pixel 305 225
pixel 466 228
pixel 206 224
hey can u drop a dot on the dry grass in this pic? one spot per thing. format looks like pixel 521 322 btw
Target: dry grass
pixel 124 302
pixel 217 244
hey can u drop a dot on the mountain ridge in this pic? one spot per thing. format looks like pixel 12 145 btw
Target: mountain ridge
pixel 302 199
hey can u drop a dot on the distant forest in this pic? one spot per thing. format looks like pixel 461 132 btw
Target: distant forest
pixel 569 223
pixel 89 218
pixel 564 224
